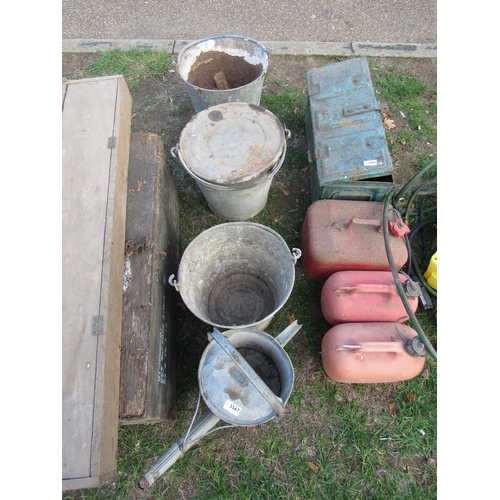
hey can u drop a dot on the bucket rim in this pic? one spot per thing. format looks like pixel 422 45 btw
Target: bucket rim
pixel 224 35
pixel 211 151
pixel 194 43
pixel 220 227
pixel 263 176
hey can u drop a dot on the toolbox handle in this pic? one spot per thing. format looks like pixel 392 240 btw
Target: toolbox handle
pixel 368 288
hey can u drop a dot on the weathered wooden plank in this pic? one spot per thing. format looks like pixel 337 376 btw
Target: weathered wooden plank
pixel 94 175
pixel 147 383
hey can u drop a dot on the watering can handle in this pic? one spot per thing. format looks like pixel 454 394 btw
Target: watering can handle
pixel 249 372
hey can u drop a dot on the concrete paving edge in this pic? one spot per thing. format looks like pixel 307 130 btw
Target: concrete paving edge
pixel 370 49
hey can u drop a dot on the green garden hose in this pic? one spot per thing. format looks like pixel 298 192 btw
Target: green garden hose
pixel 416 324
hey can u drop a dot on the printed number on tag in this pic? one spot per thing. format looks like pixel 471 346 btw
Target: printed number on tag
pixel 370 163
pixel 231 407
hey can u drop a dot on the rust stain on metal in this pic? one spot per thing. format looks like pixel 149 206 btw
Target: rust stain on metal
pixel 257 109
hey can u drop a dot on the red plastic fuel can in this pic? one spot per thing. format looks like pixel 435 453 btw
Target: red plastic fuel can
pixel 363 296
pixel 340 235
pixel 363 353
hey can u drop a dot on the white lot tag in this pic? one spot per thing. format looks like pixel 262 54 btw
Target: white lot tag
pixel 232 407
pixel 370 163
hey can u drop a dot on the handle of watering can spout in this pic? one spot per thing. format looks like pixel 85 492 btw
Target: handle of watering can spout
pixel 173 282
pixel 296 254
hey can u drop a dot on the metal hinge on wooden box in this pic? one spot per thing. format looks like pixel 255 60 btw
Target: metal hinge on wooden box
pixel 348 154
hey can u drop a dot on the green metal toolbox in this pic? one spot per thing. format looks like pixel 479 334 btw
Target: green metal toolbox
pixel 348 154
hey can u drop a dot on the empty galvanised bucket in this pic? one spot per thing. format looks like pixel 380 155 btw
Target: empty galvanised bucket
pixel 233 151
pixel 223 68
pixel 236 275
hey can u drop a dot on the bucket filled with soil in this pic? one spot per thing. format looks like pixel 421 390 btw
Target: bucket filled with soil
pixel 223 68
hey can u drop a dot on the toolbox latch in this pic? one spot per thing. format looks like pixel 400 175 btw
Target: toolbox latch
pixel 321 152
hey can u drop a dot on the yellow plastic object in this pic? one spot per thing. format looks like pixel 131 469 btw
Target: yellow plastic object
pixel 431 275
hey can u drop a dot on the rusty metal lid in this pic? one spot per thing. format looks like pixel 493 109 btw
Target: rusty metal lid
pixel 231 143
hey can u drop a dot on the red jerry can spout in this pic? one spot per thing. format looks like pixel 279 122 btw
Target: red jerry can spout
pixel 398 228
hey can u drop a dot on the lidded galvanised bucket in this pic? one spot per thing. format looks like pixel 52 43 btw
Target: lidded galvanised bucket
pixel 233 150
pixel 236 275
pixel 223 68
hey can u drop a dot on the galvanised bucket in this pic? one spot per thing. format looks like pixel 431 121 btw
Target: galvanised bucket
pixel 232 151
pixel 236 275
pixel 241 60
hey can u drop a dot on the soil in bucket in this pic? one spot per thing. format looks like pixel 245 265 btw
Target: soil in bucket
pixel 215 70
pixel 264 367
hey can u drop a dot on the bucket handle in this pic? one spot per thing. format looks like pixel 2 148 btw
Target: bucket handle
pixel 173 282
pixel 174 151
pixel 296 254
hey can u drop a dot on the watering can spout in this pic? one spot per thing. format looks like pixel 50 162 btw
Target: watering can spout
pixel 288 333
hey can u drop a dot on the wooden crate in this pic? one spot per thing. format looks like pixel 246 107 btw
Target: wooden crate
pixel 96 116
pixel 147 380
